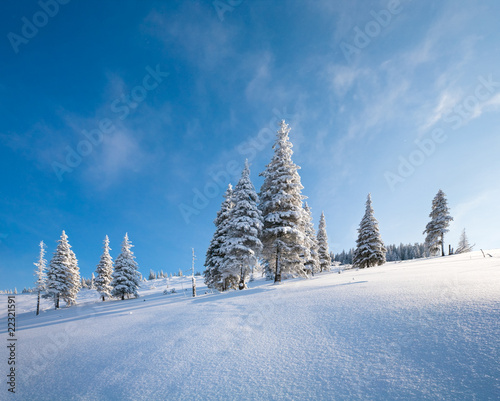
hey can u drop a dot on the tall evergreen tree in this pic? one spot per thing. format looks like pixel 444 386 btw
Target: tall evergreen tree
pixel 283 236
pixel 63 277
pixel 215 252
pixel 324 253
pixel 126 277
pixel 242 245
pixel 104 272
pixel 438 226
pixel 370 250
pixel 41 276
pixel 311 255
pixel 463 244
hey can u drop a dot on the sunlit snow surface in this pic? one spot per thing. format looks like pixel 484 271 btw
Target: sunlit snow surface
pixel 425 329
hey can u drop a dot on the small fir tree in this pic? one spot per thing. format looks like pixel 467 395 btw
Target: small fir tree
pixel 126 277
pixel 41 276
pixel 311 254
pixel 104 272
pixel 63 277
pixel 463 244
pixel 215 252
pixel 438 226
pixel 242 245
pixel 370 250
pixel 324 253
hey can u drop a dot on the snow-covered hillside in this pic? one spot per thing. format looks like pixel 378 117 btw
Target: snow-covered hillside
pixel 426 329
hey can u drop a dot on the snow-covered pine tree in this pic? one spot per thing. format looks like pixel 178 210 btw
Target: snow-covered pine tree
pixel 63 277
pixel 324 253
pixel 311 255
pixel 438 226
pixel 126 277
pixel 215 253
pixel 104 272
pixel 463 244
pixel 370 250
pixel 152 275
pixel 242 245
pixel 41 276
pixel 283 236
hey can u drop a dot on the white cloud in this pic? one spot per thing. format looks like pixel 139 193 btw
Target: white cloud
pixel 261 76
pixel 118 155
pixel 447 101
pixel 198 34
pixel 343 78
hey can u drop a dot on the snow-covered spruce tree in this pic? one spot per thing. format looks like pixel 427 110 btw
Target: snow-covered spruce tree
pixel 40 274
pixel 215 253
pixel 370 250
pixel 283 236
pixel 463 244
pixel 63 277
pixel 104 272
pixel 242 245
pixel 438 226
pixel 311 255
pixel 126 277
pixel 324 253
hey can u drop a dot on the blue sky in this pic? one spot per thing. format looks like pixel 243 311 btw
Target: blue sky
pixel 398 99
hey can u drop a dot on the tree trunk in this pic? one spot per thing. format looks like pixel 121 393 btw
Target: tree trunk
pixel 241 284
pixel 442 244
pixel 57 301
pixel 123 297
pixel 103 298
pixel 277 276
pixel 38 304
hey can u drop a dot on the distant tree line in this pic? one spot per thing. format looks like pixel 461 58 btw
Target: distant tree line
pixel 394 253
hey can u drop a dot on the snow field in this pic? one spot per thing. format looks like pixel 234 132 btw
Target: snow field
pixel 420 329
